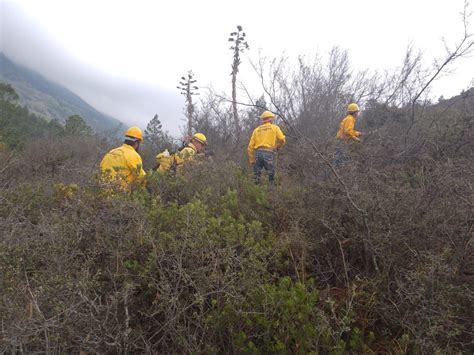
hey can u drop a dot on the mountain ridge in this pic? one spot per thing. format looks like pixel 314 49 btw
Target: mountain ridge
pixel 51 100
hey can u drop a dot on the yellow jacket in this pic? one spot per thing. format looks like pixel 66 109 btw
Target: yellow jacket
pixel 124 165
pixel 165 161
pixel 187 154
pixel 267 136
pixel 346 129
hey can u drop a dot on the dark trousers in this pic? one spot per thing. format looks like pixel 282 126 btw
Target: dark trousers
pixel 264 159
pixel 341 155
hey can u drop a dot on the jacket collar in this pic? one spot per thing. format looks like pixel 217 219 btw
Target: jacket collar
pixel 129 147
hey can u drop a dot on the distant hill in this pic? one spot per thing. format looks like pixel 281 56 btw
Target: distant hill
pixel 463 101
pixel 50 100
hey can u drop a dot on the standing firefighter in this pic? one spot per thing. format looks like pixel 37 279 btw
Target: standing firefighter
pixel 346 127
pixel 266 140
pixel 346 133
pixel 123 165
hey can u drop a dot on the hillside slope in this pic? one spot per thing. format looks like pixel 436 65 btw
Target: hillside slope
pixel 50 100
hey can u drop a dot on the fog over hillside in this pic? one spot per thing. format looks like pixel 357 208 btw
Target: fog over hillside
pixel 132 102
pixel 125 59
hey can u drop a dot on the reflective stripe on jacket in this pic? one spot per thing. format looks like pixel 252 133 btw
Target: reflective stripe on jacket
pixel 124 165
pixel 346 129
pixel 267 136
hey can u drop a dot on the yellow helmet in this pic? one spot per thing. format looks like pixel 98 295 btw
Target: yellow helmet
pixel 135 132
pixel 200 138
pixel 266 115
pixel 353 108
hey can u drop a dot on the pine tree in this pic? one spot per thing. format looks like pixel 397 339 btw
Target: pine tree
pixel 76 126
pixel 154 132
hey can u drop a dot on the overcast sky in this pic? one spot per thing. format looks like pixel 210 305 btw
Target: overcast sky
pixel 126 57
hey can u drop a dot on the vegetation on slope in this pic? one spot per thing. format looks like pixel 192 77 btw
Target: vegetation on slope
pixel 210 262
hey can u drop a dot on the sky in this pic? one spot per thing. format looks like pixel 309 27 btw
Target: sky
pixel 125 58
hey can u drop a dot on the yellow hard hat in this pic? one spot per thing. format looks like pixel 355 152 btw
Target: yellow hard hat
pixel 353 107
pixel 266 115
pixel 200 138
pixel 135 132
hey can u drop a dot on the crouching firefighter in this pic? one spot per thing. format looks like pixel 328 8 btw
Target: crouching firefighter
pixel 190 153
pixel 266 140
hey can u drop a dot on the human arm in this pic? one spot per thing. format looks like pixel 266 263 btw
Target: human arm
pixel 281 139
pixel 135 165
pixel 251 149
pixel 349 130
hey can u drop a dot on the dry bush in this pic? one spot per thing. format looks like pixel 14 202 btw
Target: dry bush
pixel 371 256
pixel 198 263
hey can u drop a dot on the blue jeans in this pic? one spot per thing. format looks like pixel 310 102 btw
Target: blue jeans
pixel 264 159
pixel 341 157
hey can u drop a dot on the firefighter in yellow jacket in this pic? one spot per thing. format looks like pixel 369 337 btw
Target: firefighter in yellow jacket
pixel 346 133
pixel 266 140
pixel 175 162
pixel 195 148
pixel 123 165
pixel 346 128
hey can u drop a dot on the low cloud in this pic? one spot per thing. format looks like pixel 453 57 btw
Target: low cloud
pixel 25 42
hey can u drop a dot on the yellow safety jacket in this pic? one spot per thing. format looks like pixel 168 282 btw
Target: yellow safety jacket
pixel 165 161
pixel 346 129
pixel 176 160
pixel 267 136
pixel 124 166
pixel 187 154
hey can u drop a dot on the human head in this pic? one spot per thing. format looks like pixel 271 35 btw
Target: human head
pixel 267 116
pixel 200 141
pixel 133 137
pixel 353 109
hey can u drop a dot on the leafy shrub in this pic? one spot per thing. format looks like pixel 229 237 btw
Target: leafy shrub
pixel 209 262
